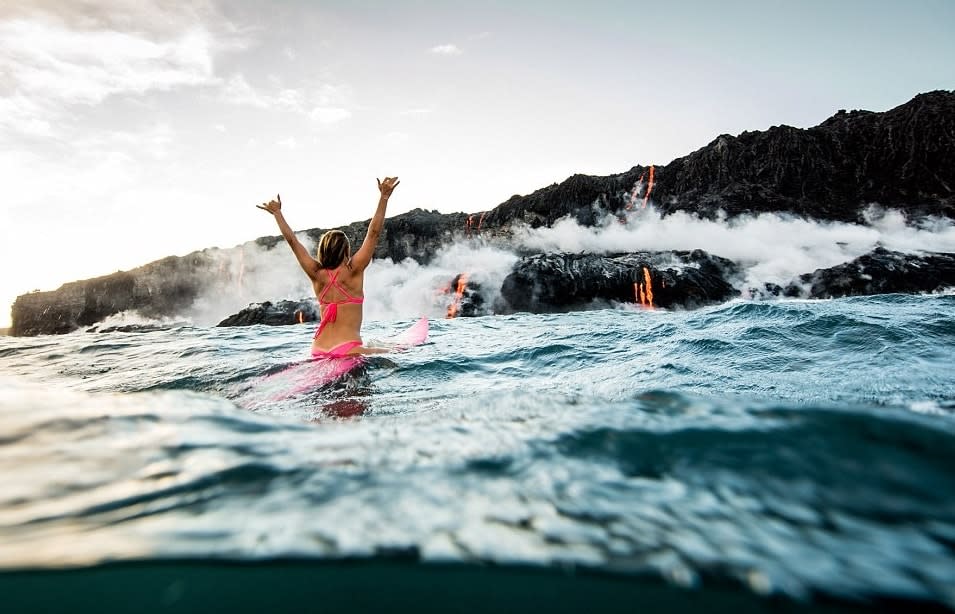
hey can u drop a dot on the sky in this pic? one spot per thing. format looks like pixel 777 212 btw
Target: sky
pixel 131 130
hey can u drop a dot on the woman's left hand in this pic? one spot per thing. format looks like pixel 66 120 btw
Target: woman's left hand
pixel 273 206
pixel 387 186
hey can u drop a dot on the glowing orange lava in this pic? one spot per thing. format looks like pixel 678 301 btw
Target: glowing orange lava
pixel 646 197
pixel 636 189
pixel 469 225
pixel 643 291
pixel 301 317
pixel 458 293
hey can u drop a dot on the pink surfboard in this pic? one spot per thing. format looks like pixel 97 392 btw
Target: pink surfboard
pixel 321 371
pixel 416 335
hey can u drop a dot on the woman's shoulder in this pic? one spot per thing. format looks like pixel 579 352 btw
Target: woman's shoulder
pixel 348 270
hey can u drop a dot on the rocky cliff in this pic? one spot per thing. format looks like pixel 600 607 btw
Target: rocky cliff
pixel 902 159
pixel 564 282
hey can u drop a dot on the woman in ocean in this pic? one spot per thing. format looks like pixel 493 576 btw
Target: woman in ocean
pixel 338 278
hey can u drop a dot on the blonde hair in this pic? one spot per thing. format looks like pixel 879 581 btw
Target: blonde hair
pixel 333 249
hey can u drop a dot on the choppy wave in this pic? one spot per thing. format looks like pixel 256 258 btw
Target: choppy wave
pixel 796 449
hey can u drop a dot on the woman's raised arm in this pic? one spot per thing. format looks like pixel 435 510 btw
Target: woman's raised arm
pixel 308 264
pixel 362 257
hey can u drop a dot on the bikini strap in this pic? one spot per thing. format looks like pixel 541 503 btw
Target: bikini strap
pixel 333 281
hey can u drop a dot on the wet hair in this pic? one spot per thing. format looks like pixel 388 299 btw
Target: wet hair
pixel 333 249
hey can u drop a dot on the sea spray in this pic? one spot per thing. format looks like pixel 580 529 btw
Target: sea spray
pixel 769 248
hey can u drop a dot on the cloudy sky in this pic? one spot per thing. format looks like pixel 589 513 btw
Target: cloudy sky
pixel 131 130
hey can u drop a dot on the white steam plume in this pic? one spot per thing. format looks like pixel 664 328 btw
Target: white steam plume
pixel 771 248
pixel 408 289
pixel 251 273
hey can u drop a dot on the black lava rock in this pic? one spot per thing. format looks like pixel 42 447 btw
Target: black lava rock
pixel 278 314
pixel 882 272
pixel 564 282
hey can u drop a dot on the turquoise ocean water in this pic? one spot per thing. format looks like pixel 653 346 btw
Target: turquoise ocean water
pixel 745 457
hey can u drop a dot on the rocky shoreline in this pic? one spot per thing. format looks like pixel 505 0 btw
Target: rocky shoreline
pixel 902 159
pixel 549 283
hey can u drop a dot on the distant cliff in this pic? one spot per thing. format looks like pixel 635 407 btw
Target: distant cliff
pixel 902 159
pixel 167 288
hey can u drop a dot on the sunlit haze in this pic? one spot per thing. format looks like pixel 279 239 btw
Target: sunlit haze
pixel 132 130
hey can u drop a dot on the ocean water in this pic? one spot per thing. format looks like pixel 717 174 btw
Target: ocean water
pixel 792 455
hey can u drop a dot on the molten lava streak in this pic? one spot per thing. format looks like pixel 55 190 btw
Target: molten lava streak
pixel 458 293
pixel 638 185
pixel 636 189
pixel 643 291
pixel 301 317
pixel 469 225
pixel 646 197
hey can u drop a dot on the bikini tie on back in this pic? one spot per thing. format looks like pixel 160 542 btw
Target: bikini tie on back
pixel 330 311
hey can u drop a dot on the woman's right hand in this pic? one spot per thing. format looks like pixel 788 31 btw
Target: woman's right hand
pixel 273 206
pixel 387 186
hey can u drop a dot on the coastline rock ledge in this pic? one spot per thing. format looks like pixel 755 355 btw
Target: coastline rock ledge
pixel 902 159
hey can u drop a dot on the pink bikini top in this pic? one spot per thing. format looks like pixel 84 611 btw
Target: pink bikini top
pixel 330 311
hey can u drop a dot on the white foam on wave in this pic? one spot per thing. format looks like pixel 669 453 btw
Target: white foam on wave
pixel 135 318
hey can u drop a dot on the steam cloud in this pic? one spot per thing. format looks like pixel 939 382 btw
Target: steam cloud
pixel 770 248
pixel 402 290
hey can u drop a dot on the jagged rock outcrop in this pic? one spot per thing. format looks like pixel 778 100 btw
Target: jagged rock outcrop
pixel 157 290
pixel 278 314
pixel 585 198
pixel 417 234
pixel 882 272
pixel 564 282
pixel 902 159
